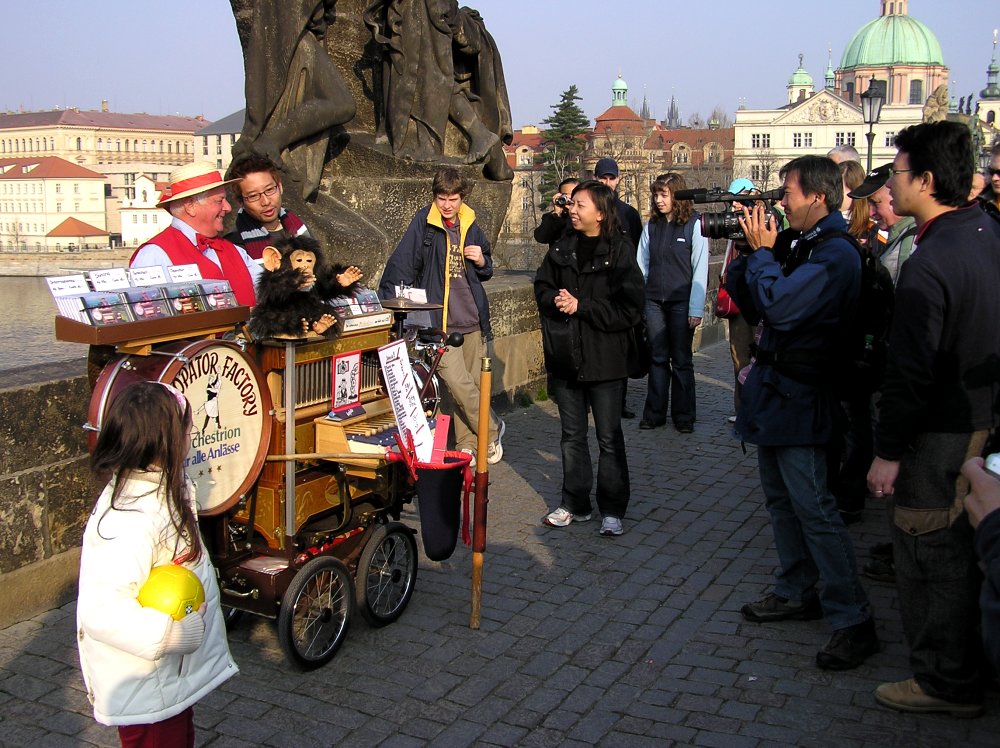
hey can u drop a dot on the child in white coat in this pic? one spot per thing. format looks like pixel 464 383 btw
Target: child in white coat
pixel 143 669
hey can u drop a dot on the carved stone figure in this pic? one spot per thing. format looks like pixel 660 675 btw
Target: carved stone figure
pixel 295 94
pixel 440 63
pixel 936 106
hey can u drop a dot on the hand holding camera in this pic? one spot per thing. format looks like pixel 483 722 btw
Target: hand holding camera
pixel 758 225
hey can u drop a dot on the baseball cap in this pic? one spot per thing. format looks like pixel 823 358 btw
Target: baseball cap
pixel 875 180
pixel 741 185
pixel 606 167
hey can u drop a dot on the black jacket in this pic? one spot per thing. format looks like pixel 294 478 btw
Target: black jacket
pixel 943 372
pixel 591 345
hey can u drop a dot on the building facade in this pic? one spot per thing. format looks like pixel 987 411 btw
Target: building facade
pixel 141 220
pixel 51 204
pixel 215 142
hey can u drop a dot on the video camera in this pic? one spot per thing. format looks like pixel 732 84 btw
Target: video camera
pixel 726 224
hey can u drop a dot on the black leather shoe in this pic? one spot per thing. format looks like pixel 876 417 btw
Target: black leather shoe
pixel 849 647
pixel 685 428
pixel 644 424
pixel 774 608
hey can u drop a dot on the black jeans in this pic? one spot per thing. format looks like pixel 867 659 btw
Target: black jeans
pixel 936 570
pixel 604 400
pixel 671 364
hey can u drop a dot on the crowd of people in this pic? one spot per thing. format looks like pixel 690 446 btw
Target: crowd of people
pixel 915 435
pixel 910 426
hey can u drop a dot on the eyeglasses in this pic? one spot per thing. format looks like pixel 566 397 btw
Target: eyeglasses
pixel 254 197
pixel 893 172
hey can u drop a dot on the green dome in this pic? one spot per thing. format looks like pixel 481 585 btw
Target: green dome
pixel 619 85
pixel 801 78
pixel 892 40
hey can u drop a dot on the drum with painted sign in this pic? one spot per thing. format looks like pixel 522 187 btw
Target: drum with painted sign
pixel 231 409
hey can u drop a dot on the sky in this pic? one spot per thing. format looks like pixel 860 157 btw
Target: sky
pixel 184 57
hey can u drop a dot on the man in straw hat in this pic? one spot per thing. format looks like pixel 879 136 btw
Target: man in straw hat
pixel 196 198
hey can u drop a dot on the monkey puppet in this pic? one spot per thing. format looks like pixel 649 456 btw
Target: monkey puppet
pixel 292 290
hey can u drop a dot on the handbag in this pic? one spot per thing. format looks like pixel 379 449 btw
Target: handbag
pixel 638 351
pixel 725 306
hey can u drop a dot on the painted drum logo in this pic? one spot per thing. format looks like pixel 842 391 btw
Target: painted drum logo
pixel 225 397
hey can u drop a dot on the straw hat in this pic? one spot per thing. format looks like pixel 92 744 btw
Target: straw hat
pixel 192 179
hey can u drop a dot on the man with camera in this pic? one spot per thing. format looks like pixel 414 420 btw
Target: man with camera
pixel 938 409
pixel 555 223
pixel 789 400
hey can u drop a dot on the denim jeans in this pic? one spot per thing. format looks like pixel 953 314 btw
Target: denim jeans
pixel 604 400
pixel 937 574
pixel 809 534
pixel 671 363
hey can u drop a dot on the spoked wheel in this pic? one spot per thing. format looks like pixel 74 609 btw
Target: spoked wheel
pixel 387 571
pixel 315 612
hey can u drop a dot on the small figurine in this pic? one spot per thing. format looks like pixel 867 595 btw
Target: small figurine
pixel 291 293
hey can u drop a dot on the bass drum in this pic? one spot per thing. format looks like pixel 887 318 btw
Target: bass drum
pixel 230 406
pixel 430 393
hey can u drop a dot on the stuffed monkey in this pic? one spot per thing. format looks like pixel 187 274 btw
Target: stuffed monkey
pixel 291 291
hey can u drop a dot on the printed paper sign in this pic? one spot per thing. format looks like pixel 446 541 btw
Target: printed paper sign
pixel 111 279
pixel 151 276
pixel 184 273
pixel 346 380
pixel 405 398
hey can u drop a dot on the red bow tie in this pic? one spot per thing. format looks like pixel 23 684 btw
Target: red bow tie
pixel 204 242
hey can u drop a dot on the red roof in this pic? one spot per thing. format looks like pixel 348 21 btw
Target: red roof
pixel 101 120
pixel 44 167
pixel 73 227
pixel 620 120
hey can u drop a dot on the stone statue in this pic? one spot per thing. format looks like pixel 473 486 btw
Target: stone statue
pixel 440 64
pixel 316 82
pixel 295 94
pixel 936 106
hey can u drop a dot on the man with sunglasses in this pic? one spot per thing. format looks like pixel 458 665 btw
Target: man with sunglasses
pixel 939 408
pixel 261 219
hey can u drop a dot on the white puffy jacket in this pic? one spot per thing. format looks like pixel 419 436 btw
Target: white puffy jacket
pixel 129 679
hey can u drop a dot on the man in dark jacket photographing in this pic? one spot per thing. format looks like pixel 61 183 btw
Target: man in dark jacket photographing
pixel 788 403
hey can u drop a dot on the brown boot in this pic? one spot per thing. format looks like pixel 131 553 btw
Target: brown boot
pixel 908 696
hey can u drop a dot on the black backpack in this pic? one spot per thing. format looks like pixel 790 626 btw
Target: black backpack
pixel 864 343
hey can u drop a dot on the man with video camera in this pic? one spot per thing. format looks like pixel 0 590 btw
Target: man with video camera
pixel 805 283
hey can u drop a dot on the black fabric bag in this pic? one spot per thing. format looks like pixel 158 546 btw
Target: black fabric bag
pixel 638 351
pixel 439 501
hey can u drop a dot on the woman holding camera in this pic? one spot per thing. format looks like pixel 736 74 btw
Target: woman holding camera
pixel 673 257
pixel 589 294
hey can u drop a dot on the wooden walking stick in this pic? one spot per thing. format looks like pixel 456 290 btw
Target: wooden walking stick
pixel 481 488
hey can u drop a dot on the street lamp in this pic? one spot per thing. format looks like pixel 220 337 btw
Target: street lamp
pixel 871 108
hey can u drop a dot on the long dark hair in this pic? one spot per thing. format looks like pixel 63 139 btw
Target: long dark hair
pixel 604 200
pixel 681 210
pixel 148 426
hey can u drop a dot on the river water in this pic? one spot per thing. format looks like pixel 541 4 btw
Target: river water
pixel 28 315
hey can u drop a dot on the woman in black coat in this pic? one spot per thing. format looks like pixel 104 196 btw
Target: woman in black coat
pixel 589 291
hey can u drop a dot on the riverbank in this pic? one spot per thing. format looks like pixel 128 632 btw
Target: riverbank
pixel 40 264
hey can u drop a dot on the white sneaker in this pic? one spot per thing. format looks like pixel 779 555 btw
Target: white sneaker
pixel 562 517
pixel 611 526
pixel 495 451
pixel 472 465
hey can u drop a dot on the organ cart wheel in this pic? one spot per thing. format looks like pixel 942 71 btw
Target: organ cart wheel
pixel 387 572
pixel 315 612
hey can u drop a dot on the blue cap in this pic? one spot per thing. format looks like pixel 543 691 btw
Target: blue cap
pixel 606 167
pixel 741 185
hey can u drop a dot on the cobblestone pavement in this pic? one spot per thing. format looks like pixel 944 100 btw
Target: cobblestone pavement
pixel 584 640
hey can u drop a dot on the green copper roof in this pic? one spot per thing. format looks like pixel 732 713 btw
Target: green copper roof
pixel 801 78
pixel 619 85
pixel 892 40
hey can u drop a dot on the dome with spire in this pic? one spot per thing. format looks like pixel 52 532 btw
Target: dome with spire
pixel 801 77
pixel 894 38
